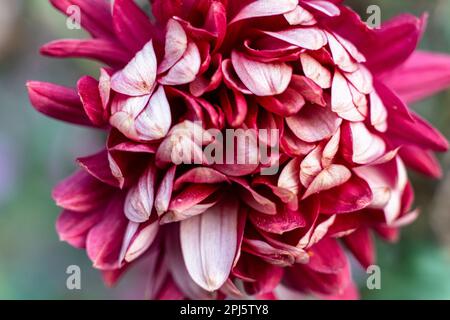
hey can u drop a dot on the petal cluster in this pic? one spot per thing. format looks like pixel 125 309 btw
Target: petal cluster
pixel 333 89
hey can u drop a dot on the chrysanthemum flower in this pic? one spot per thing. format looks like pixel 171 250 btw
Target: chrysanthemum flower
pixel 335 90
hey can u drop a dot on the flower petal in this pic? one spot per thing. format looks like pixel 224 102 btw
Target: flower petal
pixel 81 192
pixel 342 99
pixel 208 242
pixel 265 8
pixel 57 102
pixel 176 45
pixel 263 79
pixel 315 71
pixel 329 178
pixel 186 69
pixel 156 119
pixel 138 77
pixel 313 123
pixel 434 70
pixel 306 38
pixel 139 202
pixel 164 193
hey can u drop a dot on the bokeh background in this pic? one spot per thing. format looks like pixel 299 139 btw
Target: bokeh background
pixel 36 152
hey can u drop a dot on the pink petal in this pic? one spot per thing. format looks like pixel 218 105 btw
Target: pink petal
pixel 138 77
pixel 102 50
pixel 98 166
pixel 418 132
pixel 286 104
pixel 81 192
pixel 254 200
pixel 328 257
pixel 300 16
pixel 104 87
pixel 88 89
pixel 104 241
pixel 351 196
pixel 207 82
pixel 366 146
pixel 184 145
pixel 234 105
pixel 97 16
pixel 244 158
pixel 191 202
pixel 351 49
pixel 421 160
pixel 423 74
pixel 266 276
pixel 362 246
pixel 231 79
pixel 131 24
pixel 267 252
pixel 331 149
pixel 164 10
pixel 200 175
pixel 400 37
pixel 73 227
pixel 284 221
pixel 263 79
pixel 208 242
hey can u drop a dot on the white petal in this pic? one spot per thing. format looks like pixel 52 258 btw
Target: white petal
pixel 185 70
pixel 330 177
pixel 340 56
pixel 263 79
pixel 342 99
pixel 139 200
pixel 138 77
pixel 315 71
pixel 175 47
pixel 265 8
pixel 367 147
pixel 307 38
pixel 208 242
pixel 155 121
pixel 142 242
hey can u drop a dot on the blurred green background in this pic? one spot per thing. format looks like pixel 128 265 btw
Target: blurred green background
pixel 36 152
